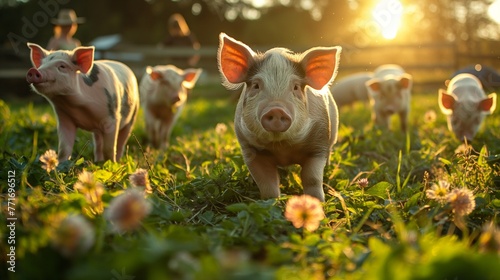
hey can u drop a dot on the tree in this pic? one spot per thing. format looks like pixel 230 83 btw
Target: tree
pixel 297 22
pixel 452 20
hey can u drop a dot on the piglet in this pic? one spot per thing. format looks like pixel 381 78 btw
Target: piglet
pixel 164 91
pixel 98 96
pixel 286 113
pixel 390 93
pixel 465 104
pixel 351 88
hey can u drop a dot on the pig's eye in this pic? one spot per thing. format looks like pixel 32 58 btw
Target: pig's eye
pixel 297 91
pixel 254 88
pixel 62 67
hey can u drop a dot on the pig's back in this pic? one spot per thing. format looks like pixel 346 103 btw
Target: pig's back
pixel 122 71
pixel 123 80
pixel 351 88
pixel 466 86
pixel 464 79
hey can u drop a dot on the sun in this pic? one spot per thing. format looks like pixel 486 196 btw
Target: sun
pixel 494 11
pixel 387 14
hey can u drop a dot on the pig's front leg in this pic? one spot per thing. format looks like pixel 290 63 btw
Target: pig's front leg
pixel 264 172
pixel 381 120
pixel 312 176
pixel 164 135
pixel 151 129
pixel 66 132
pixel 403 117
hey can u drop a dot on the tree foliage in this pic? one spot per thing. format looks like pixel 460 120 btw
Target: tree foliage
pixel 290 22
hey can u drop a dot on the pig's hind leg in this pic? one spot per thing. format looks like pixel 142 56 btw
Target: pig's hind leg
pixel 98 147
pixel 105 143
pixel 123 136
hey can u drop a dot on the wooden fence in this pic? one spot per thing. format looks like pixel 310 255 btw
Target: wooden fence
pixel 430 64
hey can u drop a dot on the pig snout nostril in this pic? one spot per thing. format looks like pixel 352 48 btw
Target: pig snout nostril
pixel 276 120
pixel 33 76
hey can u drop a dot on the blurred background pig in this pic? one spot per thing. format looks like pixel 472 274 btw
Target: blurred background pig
pixel 390 93
pixel 465 104
pixel 164 91
pixel 98 96
pixel 351 88
pixel 286 113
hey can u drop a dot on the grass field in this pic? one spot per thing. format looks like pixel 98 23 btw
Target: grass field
pixel 204 218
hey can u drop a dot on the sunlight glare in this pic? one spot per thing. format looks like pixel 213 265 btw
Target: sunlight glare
pixel 387 14
pixel 494 11
pixel 258 4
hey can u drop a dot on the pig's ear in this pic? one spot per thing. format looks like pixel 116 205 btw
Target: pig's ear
pixel 488 104
pixel 320 65
pixel 406 81
pixel 234 60
pixel 37 54
pixel 83 57
pixel 154 75
pixel 191 77
pixel 446 102
pixel 373 85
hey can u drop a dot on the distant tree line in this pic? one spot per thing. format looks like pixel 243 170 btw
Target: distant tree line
pixel 275 22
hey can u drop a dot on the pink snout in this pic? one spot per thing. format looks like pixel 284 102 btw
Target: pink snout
pixel 34 76
pixel 276 120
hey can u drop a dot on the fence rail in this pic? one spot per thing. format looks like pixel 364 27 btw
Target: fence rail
pixel 430 64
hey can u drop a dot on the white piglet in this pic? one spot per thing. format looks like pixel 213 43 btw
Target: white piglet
pixel 351 88
pixel 390 93
pixel 164 92
pixel 98 96
pixel 286 114
pixel 465 104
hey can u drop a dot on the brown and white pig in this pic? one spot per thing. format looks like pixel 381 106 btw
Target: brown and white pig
pixel 98 96
pixel 465 104
pixel 286 114
pixel 390 93
pixel 164 91
pixel 351 88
